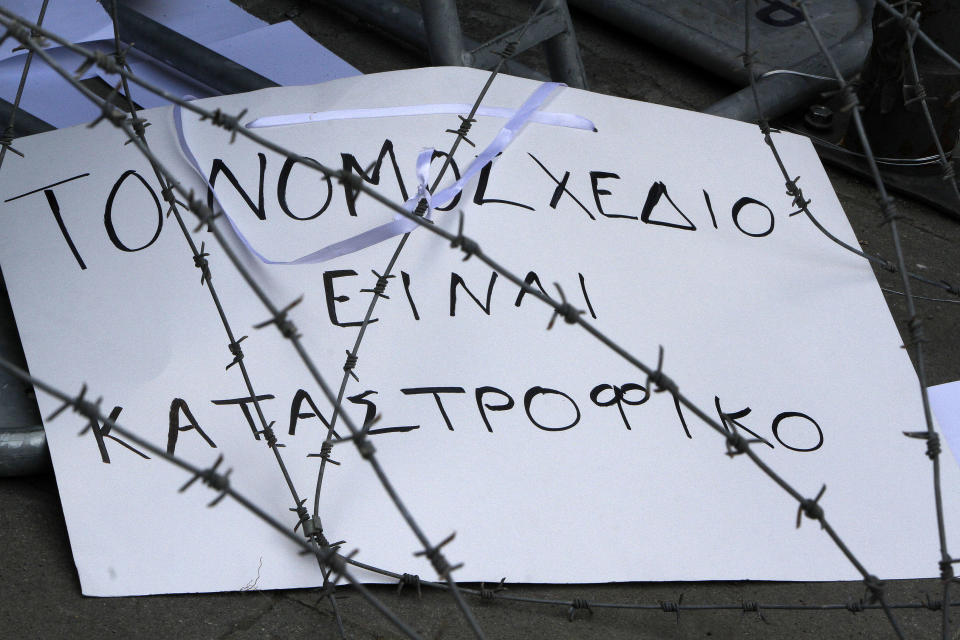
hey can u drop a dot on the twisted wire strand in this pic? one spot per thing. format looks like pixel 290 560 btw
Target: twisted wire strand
pixel 329 558
pixel 914 322
pixel 366 449
pixel 734 442
pixel 461 136
pixel 949 173
pixel 6 139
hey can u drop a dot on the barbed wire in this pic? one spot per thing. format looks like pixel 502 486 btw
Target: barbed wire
pixel 330 557
pixel 735 443
pixel 6 138
pixel 201 262
pixel 422 209
pixel 210 476
pixel 914 322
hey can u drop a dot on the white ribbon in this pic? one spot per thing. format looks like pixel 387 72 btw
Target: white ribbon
pixel 570 120
pixel 528 111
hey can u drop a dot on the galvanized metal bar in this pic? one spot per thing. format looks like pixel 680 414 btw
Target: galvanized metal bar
pixel 563 51
pixel 664 31
pixel 406 25
pixel 444 37
pixel 23 443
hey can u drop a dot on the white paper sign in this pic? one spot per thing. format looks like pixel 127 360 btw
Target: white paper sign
pixel 666 227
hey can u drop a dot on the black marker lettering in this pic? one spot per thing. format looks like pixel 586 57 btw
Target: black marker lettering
pixel 178 406
pixel 595 177
pixel 361 399
pixel 482 391
pixel 45 187
pixel 436 391
pixel 371 413
pixel 619 397
pixel 406 287
pixel 683 422
pixel 713 218
pixel 103 431
pixel 297 414
pixel 533 392
pixel 108 212
pixel 282 191
pixel 726 419
pixel 333 299
pixel 243 402
pixel 531 279
pixel 456 280
pixel 796 414
pixel 350 164
pixel 55 209
pixel 478 196
pixel 740 204
pixel 561 188
pixel 220 167
pixel 658 190
pixel 456 176
pixel 586 297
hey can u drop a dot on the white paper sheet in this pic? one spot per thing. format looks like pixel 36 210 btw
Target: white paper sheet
pixel 782 322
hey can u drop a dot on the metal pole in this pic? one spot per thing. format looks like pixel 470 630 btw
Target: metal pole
pixel 23 446
pixel 406 25
pixel 444 38
pixel 563 52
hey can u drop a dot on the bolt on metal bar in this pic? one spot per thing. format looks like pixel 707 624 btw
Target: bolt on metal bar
pixel 780 91
pixel 444 38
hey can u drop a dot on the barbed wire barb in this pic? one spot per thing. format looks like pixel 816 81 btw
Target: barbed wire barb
pixel 215 480
pixel 366 449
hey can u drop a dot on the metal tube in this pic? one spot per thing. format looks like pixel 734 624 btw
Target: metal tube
pixel 444 38
pixel 406 25
pixel 23 446
pixel 22 451
pixel 662 30
pixel 563 52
